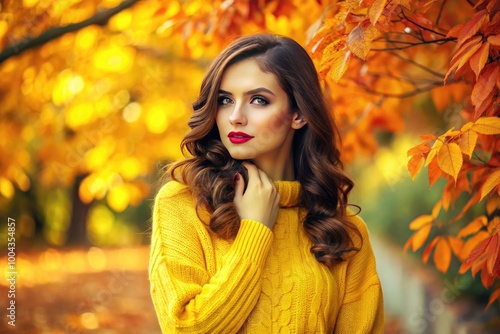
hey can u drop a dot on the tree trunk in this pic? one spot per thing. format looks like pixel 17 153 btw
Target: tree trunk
pixel 77 231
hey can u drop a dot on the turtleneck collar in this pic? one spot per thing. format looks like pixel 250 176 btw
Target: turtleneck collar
pixel 289 193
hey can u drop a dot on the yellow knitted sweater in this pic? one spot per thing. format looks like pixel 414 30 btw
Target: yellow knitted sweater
pixel 261 282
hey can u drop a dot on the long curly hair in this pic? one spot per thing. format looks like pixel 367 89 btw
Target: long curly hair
pixel 209 171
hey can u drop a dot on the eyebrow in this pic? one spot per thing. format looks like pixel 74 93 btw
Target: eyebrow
pixel 250 92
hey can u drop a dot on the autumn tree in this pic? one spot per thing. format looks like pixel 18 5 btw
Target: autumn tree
pixel 376 58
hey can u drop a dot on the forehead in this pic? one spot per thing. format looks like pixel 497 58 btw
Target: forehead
pixel 246 74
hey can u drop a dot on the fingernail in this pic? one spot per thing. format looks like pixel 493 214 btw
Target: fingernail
pixel 236 176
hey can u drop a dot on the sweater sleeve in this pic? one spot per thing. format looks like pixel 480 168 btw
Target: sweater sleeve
pixel 186 297
pixel 362 310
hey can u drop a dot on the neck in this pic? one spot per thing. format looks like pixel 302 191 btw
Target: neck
pixel 277 168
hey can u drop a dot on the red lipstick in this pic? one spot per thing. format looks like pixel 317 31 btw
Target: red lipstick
pixel 237 137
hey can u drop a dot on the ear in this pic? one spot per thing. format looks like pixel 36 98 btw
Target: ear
pixel 298 121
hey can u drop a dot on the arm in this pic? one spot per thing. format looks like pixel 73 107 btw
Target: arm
pixel 362 310
pixel 186 297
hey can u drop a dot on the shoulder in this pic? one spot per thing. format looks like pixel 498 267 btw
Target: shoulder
pixel 359 224
pixel 174 190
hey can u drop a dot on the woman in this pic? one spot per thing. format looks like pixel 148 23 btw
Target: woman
pixel 252 234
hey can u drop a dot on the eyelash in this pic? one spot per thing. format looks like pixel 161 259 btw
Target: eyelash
pixel 264 101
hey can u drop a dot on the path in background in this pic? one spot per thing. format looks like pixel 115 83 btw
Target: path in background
pixel 107 292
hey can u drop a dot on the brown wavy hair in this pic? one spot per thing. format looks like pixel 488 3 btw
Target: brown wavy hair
pixel 210 170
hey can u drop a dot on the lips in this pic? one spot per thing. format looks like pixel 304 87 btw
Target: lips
pixel 237 137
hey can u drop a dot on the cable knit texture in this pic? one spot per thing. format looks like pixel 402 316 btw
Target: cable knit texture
pixel 263 281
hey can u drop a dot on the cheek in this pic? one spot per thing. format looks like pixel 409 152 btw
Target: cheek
pixel 280 121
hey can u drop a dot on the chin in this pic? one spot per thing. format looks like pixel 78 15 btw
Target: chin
pixel 238 155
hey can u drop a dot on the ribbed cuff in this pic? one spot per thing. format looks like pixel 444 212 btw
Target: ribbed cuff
pixel 253 241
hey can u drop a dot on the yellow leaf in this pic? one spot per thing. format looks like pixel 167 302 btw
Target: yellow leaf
pixel 435 149
pixel 437 209
pixel 360 40
pixel 467 142
pixel 376 10
pixel 491 182
pixel 418 222
pixel 442 256
pixel 339 66
pixel 450 159
pixel 473 227
pixel 420 237
pixel 466 126
pixel 487 125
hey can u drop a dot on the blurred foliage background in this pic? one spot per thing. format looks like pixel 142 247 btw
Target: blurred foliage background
pixel 95 97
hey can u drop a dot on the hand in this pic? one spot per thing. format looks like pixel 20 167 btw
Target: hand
pixel 260 201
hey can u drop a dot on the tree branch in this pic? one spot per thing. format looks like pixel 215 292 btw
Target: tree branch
pixel 421 26
pixel 422 67
pixel 402 95
pixel 437 41
pixel 100 18
pixel 440 12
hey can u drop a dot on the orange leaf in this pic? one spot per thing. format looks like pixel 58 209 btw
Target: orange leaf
pixel 493 224
pixel 339 66
pixel 436 209
pixel 418 150
pixel 487 104
pixel 469 245
pixel 421 221
pixel 491 182
pixel 473 227
pixel 492 205
pixel 415 164
pixel 455 30
pixel 450 159
pixel 428 249
pixel 456 246
pixel 427 138
pixel 478 265
pixel 478 250
pixel 434 172
pixel 494 296
pixel 468 54
pixel 494 40
pixel 376 10
pixel 473 200
pixel 492 253
pixel 484 85
pixel 446 198
pixel 487 126
pixel 442 256
pixel 408 243
pixel 420 237
pixel 441 96
pixel 467 142
pixel 472 27
pixel 360 40
pixel 455 61
pixel 478 60
pixel 486 278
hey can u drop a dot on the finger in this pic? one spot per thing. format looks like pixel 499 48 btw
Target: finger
pixel 253 172
pixel 239 186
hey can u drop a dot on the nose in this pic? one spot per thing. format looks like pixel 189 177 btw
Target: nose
pixel 237 115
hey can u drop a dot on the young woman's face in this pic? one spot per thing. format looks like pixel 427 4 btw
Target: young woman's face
pixel 253 116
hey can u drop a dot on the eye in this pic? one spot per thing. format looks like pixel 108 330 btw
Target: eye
pixel 259 100
pixel 224 100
